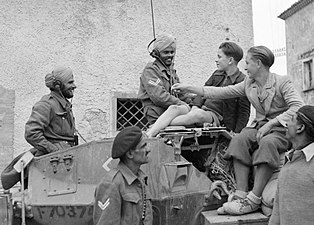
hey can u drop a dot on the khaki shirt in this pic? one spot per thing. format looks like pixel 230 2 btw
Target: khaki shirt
pixel 119 199
pixel 155 90
pixel 51 124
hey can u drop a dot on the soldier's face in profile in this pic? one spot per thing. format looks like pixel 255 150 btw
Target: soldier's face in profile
pixel 292 128
pixel 140 154
pixel 68 88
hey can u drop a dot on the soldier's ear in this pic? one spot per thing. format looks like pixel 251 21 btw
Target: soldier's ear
pixel 129 154
pixel 231 60
pixel 301 128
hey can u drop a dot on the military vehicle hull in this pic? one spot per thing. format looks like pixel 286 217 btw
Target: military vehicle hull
pixel 61 184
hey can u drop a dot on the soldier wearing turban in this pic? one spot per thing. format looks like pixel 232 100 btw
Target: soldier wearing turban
pixel 157 79
pixel 51 124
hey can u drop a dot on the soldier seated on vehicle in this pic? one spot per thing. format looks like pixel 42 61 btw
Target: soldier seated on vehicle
pixel 51 124
pixel 233 113
pixel 123 196
pixel 157 79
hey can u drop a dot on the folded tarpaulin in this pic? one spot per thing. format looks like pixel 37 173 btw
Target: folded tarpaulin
pixel 9 176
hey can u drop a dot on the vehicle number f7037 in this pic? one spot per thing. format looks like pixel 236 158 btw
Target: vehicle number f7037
pixel 45 212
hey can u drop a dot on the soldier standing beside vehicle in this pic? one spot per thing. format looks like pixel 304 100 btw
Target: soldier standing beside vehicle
pixel 123 197
pixel 157 79
pixel 51 124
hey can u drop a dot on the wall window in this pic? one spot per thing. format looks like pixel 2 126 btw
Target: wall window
pixel 308 76
pixel 130 113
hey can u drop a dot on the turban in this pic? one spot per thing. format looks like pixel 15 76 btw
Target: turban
pixel 125 140
pixel 63 74
pixel 264 54
pixel 164 41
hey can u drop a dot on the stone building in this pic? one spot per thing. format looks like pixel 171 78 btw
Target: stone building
pixel 105 43
pixel 299 20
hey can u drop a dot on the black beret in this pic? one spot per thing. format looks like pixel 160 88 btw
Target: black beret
pixel 308 112
pixel 125 140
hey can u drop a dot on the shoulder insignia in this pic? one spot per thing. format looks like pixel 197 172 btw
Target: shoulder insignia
pixel 105 165
pixel 103 206
pixel 154 83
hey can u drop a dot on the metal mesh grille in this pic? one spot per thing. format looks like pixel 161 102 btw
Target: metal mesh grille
pixel 130 113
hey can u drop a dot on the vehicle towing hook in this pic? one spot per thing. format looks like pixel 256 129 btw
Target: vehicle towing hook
pixel 54 161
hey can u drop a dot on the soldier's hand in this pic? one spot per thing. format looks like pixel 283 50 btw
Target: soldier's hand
pixel 179 87
pixel 266 128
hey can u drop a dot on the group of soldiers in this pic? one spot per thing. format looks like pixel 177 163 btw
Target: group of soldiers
pixel 282 123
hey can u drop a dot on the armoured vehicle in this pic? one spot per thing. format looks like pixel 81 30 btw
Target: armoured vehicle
pixel 61 184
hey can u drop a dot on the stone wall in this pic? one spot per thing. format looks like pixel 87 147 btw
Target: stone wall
pixel 104 42
pixel 300 47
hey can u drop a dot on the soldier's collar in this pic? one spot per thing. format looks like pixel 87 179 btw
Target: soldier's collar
pixel 162 66
pixel 308 151
pixel 233 77
pixel 129 175
pixel 64 102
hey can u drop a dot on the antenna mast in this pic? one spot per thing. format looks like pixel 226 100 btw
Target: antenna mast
pixel 153 21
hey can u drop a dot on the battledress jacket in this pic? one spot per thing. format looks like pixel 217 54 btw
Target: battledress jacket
pixel 235 111
pixel 155 90
pixel 51 124
pixel 122 198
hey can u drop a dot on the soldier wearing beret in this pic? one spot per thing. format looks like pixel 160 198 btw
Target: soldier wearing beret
pixel 294 202
pixel 123 197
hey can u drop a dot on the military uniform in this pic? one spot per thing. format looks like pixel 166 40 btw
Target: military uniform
pixel 51 125
pixel 122 198
pixel 155 90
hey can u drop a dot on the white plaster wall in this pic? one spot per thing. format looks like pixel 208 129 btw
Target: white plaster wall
pixel 300 39
pixel 104 42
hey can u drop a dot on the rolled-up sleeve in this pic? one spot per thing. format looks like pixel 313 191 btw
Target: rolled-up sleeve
pixel 156 90
pixel 292 99
pixel 107 206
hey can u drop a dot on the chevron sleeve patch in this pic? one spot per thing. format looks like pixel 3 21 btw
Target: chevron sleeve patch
pixel 104 205
pixel 154 83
